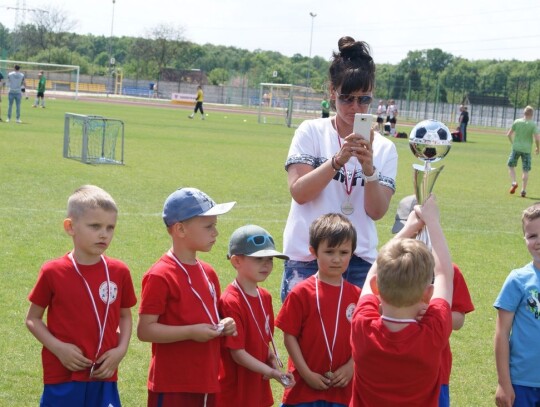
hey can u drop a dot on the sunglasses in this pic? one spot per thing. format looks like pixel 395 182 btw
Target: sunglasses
pixel 260 240
pixel 349 99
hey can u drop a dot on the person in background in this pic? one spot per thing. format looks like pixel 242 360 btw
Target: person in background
pixel 381 115
pixel 16 83
pixel 40 90
pixel 332 170
pixel 325 106
pixel 463 122
pixel 391 116
pixel 521 135
pixel 198 103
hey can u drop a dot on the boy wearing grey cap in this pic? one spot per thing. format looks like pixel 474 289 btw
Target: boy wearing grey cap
pixel 178 311
pixel 250 359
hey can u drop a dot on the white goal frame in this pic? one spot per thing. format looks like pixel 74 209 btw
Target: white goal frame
pixel 10 63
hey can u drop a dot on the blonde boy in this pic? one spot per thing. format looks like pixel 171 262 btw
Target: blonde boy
pixel 88 297
pixel 398 357
pixel 178 311
pixel 250 359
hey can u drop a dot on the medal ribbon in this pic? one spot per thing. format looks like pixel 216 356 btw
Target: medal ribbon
pixel 101 326
pixel 211 288
pixel 266 324
pixel 348 188
pixel 330 350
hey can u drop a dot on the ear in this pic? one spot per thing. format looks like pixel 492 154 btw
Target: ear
pixel 374 286
pixel 178 229
pixel 235 260
pixel 68 226
pixel 312 251
pixel 428 293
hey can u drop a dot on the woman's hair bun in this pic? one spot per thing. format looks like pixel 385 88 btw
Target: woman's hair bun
pixel 353 50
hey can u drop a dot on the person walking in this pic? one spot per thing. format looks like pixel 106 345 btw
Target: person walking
pixel 198 103
pixel 40 90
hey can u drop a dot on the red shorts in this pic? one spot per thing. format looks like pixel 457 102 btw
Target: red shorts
pixel 181 399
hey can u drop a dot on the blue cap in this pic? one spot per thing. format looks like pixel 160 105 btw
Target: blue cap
pixel 186 203
pixel 253 241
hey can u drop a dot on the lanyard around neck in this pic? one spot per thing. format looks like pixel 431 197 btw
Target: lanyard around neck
pixel 211 288
pixel 328 348
pixel 266 323
pixel 101 326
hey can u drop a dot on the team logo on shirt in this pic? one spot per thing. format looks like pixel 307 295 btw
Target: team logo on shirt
pixel 113 292
pixel 533 302
pixel 349 311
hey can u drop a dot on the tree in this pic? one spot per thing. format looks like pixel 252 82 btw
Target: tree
pixel 166 44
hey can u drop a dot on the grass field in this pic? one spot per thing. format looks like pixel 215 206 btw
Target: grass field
pixel 230 157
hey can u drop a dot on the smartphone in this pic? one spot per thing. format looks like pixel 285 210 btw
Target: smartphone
pixel 362 125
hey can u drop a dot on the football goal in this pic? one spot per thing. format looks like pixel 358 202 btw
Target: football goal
pixel 93 139
pixel 60 78
pixel 287 104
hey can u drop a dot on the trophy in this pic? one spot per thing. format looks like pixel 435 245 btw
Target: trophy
pixel 430 141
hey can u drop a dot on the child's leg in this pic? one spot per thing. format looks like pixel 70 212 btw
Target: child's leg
pixel 526 163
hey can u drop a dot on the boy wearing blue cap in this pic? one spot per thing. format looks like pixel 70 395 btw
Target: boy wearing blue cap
pixel 250 359
pixel 178 311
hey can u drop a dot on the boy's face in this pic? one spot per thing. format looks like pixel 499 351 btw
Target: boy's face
pixel 200 233
pixel 253 269
pixel 92 233
pixel 532 239
pixel 333 261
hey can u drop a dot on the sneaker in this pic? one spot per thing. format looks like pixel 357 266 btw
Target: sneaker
pixel 513 187
pixel 34 106
pixel 523 194
pixel 190 116
pixel 19 121
pixel 202 118
pixel 7 120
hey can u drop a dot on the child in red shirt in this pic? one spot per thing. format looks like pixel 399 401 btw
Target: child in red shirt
pixel 178 311
pixel 316 320
pixel 88 297
pixel 250 359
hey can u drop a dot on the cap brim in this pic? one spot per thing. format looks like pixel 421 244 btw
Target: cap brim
pixel 398 225
pixel 219 209
pixel 268 253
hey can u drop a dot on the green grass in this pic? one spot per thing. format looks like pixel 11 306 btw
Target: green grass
pixel 230 160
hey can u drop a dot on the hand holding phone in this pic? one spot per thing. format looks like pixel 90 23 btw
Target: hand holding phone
pixel 362 125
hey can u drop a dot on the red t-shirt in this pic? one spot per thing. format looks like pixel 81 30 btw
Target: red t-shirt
pixel 299 317
pixel 70 313
pixel 398 368
pixel 461 302
pixel 183 366
pixel 241 386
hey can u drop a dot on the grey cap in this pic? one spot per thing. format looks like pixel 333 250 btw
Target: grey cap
pixel 253 241
pixel 186 203
pixel 405 207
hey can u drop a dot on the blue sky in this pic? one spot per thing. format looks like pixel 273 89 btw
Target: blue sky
pixel 473 29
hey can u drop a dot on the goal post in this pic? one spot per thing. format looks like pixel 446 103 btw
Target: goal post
pixel 93 139
pixel 287 104
pixel 59 77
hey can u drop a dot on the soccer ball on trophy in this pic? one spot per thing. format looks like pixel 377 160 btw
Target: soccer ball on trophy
pixel 430 140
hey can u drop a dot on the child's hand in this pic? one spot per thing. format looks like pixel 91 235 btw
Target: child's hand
pixel 343 375
pixel 107 364
pixel 204 332
pixel 317 381
pixel 429 211
pixel 72 357
pixel 229 327
pixel 285 379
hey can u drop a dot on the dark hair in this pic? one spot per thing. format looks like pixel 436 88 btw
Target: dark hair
pixel 17 67
pixel 334 228
pixel 352 67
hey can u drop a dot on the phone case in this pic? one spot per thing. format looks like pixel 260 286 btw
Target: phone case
pixel 362 125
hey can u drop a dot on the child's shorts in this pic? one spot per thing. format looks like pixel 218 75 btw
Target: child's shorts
pixel 81 394
pixel 525 160
pixel 444 396
pixel 526 396
pixel 181 399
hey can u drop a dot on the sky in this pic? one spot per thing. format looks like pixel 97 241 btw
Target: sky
pixel 472 29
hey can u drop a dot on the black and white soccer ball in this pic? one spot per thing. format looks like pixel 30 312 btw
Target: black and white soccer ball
pixel 430 140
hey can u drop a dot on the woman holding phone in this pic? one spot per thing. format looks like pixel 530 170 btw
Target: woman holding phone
pixel 331 169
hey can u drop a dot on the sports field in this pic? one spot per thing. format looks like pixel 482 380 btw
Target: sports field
pixel 230 157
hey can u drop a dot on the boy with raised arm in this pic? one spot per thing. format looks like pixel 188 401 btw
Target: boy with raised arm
pixel 397 355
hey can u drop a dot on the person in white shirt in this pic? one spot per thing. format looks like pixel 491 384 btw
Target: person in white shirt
pixel 15 82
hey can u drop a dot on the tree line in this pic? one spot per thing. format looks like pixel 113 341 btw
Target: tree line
pixel 430 74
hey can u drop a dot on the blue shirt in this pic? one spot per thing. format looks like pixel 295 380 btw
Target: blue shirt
pixel 520 294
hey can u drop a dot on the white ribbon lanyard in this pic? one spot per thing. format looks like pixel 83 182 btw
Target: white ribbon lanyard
pixel 266 323
pixel 211 288
pixel 328 348
pixel 101 326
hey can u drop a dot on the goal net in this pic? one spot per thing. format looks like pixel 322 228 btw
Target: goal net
pixel 93 139
pixel 287 104
pixel 60 78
